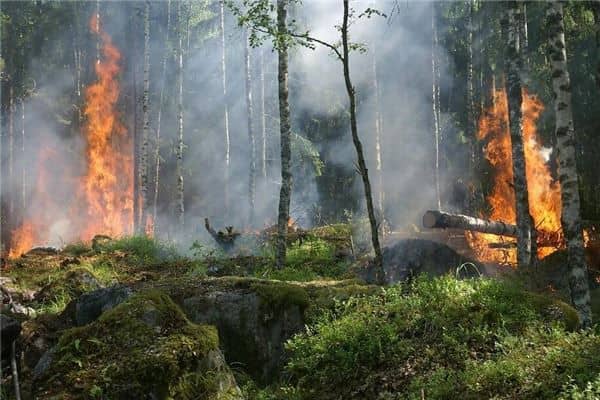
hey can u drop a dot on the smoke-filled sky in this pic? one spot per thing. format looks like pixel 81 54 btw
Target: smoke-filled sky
pixel 400 45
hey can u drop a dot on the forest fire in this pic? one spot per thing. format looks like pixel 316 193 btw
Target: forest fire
pixel 103 200
pixel 544 191
pixel 108 184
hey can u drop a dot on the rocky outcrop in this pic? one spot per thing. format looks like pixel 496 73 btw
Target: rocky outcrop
pixel 144 348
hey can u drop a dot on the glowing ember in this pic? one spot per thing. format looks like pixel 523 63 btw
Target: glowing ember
pixel 544 191
pixel 108 184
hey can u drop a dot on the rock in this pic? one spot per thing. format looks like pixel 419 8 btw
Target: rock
pixel 43 364
pixel 256 317
pixel 144 348
pixel 89 306
pixel 412 257
pixel 41 251
pixel 10 329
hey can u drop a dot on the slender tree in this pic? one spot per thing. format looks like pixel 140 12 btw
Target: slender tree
pixel 523 33
pixel 251 135
pixel 163 80
pixel 263 124
pixel 362 166
pixel 471 118
pixel 435 104
pixel 180 193
pixel 23 157
pixel 596 10
pixel 513 65
pixel 567 168
pixel 11 148
pixel 285 133
pixel 378 134
pixel 225 105
pixel 146 123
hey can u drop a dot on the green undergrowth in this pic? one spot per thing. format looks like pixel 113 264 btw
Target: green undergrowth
pixel 143 347
pixel 141 249
pixel 442 338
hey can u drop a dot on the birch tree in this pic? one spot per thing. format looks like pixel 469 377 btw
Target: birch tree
pixel 163 80
pixel 225 105
pixel 471 118
pixel 378 134
pixel 285 133
pixel 513 64
pixel 180 209
pixel 250 125
pixel 435 104
pixel 146 123
pixel 567 171
pixel 263 123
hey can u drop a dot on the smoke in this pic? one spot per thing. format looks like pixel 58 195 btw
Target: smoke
pixel 400 45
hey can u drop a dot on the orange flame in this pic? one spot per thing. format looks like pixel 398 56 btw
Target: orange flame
pixel 544 192
pixel 104 200
pixel 108 184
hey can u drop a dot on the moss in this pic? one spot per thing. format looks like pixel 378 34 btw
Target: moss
pixel 144 345
pixel 277 296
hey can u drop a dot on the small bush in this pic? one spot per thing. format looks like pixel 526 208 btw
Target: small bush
pixel 77 249
pixel 589 391
pixel 444 337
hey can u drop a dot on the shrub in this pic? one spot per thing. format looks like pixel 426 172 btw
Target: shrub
pixel 443 337
pixel 143 249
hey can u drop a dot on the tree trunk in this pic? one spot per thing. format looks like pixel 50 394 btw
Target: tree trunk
pixel 438 219
pixel 11 145
pixel 285 133
pixel 134 106
pixel 146 124
pixel 251 136
pixel 471 118
pixel 23 157
pixel 362 166
pixel 596 9
pixel 523 34
pixel 435 104
pixel 263 124
pixel 180 193
pixel 163 80
pixel 378 134
pixel 225 108
pixel 525 250
pixel 567 169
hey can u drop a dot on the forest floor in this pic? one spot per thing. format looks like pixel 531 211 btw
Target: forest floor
pixel 132 318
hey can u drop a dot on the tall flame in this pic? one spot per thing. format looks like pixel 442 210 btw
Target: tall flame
pixel 104 192
pixel 544 192
pixel 108 184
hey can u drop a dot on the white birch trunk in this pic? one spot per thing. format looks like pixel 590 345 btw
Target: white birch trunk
pixel 225 108
pixel 146 124
pixel 180 189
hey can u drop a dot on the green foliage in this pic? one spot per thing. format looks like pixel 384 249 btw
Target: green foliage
pixel 474 338
pixel 587 391
pixel 77 249
pixel 142 249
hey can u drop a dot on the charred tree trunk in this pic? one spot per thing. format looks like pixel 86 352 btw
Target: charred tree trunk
pixel 180 194
pixel 525 243
pixel 146 124
pixel 285 132
pixel 225 107
pixel 523 33
pixel 435 104
pixel 163 80
pixel 362 166
pixel 251 136
pixel 567 171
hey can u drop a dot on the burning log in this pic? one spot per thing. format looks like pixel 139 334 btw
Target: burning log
pixel 439 219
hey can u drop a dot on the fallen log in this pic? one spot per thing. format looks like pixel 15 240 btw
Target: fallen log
pixel 439 219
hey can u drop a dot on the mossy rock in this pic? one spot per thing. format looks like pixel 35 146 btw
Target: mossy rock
pixel 145 348
pixel 73 284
